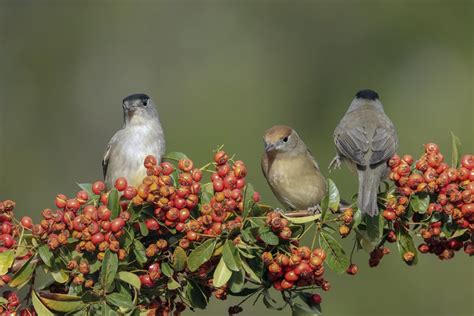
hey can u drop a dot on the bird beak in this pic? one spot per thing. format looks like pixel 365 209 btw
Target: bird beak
pixel 269 147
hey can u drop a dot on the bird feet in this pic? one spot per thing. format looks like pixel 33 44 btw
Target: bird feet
pixel 315 209
pixel 335 163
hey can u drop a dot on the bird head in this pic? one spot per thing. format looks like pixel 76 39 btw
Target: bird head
pixel 137 108
pixel 280 138
pixel 366 97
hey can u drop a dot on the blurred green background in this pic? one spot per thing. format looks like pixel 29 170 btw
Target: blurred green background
pixel 224 72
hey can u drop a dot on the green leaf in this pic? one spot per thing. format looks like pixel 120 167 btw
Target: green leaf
pixel 364 242
pixel 179 259
pixel 61 303
pixel 114 203
pixel 325 207
pixel 143 229
pixel 405 244
pixel 222 274
pixel 298 309
pixel 107 310
pixel 3 301
pixel 305 306
pixel 86 187
pixel 129 278
pixel 248 236
pixel 303 219
pixel 419 204
pixel 109 270
pixel 334 197
pixel 231 256
pixel 59 275
pixel 24 274
pixel 456 151
pixel 46 255
pixel 120 300
pixel 167 270
pixel 237 281
pixel 173 285
pixel 207 192
pixel 375 226
pixel 139 251
pixel 6 261
pixel 195 295
pixel 251 273
pixel 459 233
pixel 201 254
pixel 174 156
pixel 38 305
pixel 248 199
pixel 356 218
pixel 268 236
pixel 336 257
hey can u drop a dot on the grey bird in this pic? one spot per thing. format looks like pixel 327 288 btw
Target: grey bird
pixel 141 135
pixel 291 171
pixel 366 139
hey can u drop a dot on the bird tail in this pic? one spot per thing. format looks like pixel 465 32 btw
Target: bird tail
pixel 369 181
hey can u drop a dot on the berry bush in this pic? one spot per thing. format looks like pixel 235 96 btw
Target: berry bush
pixel 178 239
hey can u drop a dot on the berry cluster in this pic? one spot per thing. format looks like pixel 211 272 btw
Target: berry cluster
pixel 279 225
pixel 302 267
pixel 447 196
pixel 7 229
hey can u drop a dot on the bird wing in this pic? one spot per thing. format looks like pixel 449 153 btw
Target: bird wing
pixel 384 144
pixel 313 160
pixel 105 160
pixel 353 144
pixel 265 165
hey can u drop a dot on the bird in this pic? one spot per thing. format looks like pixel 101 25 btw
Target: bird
pixel 366 139
pixel 140 136
pixel 291 170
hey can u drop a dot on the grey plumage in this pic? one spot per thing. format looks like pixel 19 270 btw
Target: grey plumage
pixel 366 138
pixel 141 135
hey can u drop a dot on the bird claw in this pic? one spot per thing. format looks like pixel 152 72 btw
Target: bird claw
pixel 279 210
pixel 335 163
pixel 315 209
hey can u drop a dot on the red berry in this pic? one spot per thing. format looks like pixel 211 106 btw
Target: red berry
pixel 117 224
pixel 352 269
pixel 26 222
pixel 291 276
pixel 286 285
pixel 130 192
pixel 220 157
pixel 98 187
pixel 316 299
pixel 7 240
pixel 431 148
pixel 150 161
pixel 167 168
pixel 152 224
pixel 467 161
pixel 97 238
pixel 121 184
pixel 218 185
pixel 146 280
pixel 60 201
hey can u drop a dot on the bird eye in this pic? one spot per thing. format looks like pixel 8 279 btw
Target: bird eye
pixel 145 102
pixel 285 139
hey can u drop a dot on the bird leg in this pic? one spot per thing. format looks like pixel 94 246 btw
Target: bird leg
pixel 335 163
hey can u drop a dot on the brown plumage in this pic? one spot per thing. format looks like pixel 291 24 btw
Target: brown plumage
pixel 291 171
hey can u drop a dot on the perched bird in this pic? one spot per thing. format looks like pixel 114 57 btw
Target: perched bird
pixel 291 171
pixel 141 135
pixel 366 139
